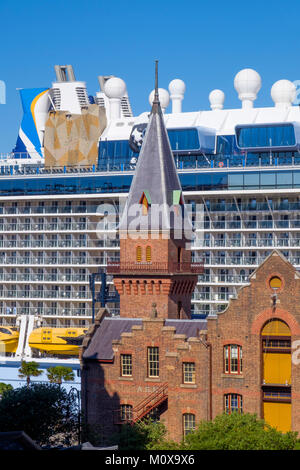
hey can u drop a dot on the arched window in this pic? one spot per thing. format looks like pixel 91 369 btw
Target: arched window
pixel 233 359
pixel 148 254
pixel 138 254
pixel 233 403
pixel 189 423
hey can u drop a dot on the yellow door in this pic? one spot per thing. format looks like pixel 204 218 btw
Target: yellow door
pixel 277 368
pixel 278 415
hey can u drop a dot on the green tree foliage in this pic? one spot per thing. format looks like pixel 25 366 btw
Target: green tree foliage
pixel 238 432
pixel 28 370
pixel 58 374
pixel 4 388
pixel 44 411
pixel 144 435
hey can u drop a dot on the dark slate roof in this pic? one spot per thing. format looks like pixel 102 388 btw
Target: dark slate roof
pixel 156 175
pixel 100 347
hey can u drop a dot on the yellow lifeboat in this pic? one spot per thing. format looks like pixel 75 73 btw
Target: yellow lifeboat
pixel 9 338
pixel 63 341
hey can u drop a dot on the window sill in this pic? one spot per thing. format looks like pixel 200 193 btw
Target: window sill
pixel 233 376
pixel 188 385
pixel 126 378
pixel 152 379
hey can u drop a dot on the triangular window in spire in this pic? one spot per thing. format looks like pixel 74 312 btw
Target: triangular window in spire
pixel 145 200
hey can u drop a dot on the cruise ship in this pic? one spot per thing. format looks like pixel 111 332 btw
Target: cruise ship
pixel 63 186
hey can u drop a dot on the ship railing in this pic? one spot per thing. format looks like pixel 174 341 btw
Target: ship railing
pixel 212 296
pixel 7 310
pixel 20 244
pixel 247 224
pixel 223 278
pixel 45 294
pixel 50 210
pixel 18 163
pixel 55 260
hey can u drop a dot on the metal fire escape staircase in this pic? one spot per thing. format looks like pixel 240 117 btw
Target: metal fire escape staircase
pixel 145 407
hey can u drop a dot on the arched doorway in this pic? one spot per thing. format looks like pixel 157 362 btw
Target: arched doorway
pixel 276 371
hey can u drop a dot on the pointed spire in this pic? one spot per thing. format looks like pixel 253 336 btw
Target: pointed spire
pixel 155 185
pixel 156 103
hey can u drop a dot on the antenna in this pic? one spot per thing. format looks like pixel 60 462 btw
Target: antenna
pixel 156 96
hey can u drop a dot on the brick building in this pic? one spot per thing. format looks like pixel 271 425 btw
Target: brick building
pixel 155 360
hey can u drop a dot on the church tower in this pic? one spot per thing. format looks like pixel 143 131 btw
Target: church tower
pixel 155 276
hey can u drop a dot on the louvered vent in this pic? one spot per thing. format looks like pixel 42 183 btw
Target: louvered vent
pixel 56 97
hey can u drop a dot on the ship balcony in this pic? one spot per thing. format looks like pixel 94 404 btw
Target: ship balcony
pixel 155 267
pixel 44 311
pixel 245 244
pixel 245 225
pixel 45 294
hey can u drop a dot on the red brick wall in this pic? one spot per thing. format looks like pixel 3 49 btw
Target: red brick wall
pixel 108 390
pixel 242 323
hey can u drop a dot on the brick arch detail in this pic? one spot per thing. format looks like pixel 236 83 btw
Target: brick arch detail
pixel 279 314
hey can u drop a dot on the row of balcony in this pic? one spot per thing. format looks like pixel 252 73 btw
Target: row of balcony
pixel 59 243
pixel 223 278
pixel 253 206
pixel 52 260
pixel 44 311
pixel 252 242
pixel 242 260
pixel 45 294
pixel 246 224
pixel 45 277
pixel 212 296
pixel 49 209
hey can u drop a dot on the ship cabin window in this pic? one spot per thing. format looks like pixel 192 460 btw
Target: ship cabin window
pixel 266 136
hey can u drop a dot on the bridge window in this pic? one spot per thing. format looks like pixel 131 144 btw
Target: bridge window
pixel 266 136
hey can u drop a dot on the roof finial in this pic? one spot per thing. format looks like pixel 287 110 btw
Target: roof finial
pixel 156 95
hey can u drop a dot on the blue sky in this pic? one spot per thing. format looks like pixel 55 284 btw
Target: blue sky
pixel 205 43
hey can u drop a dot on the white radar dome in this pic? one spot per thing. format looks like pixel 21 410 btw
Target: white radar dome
pixel 247 83
pixel 164 98
pixel 283 93
pixel 216 99
pixel 115 88
pixel 177 87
